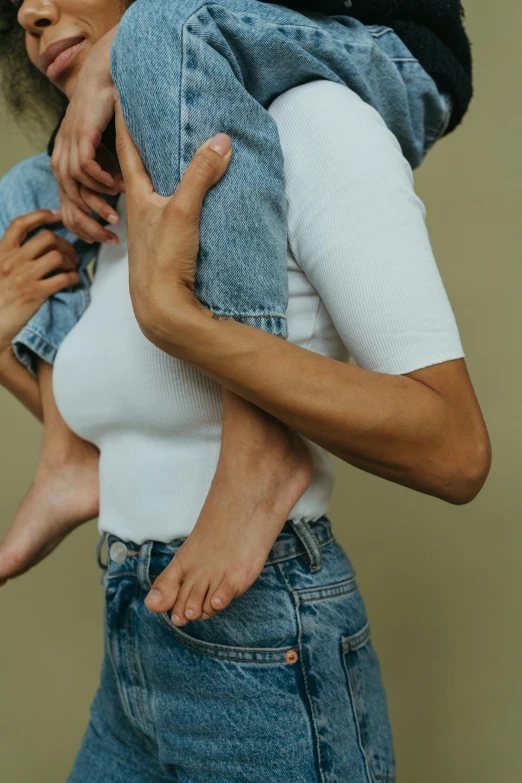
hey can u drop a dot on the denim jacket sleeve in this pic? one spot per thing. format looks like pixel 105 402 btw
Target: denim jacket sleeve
pixel 28 186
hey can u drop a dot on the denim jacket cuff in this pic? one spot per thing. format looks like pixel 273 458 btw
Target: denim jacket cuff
pixel 273 324
pixel 28 346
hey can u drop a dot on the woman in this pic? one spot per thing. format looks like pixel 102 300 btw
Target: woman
pixel 296 646
pixel 204 55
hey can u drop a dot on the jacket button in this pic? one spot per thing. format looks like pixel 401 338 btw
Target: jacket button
pixel 291 656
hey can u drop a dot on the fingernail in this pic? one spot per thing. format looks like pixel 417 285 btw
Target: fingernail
pixel 113 219
pixel 112 241
pixel 217 601
pixel 154 597
pixel 221 143
pixel 56 211
pixel 175 618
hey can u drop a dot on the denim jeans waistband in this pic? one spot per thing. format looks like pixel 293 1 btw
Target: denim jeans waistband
pixel 297 538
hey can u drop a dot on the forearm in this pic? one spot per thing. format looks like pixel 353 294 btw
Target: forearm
pixel 17 380
pixel 389 425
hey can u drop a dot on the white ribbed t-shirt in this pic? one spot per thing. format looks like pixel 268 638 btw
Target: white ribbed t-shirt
pixel 362 281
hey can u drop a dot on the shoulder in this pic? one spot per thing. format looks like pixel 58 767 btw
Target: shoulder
pixel 27 186
pixel 324 125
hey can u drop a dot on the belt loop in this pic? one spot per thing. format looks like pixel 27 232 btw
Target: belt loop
pixel 309 540
pixel 99 545
pixel 144 564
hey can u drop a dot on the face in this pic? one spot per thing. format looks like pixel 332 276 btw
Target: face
pixel 59 34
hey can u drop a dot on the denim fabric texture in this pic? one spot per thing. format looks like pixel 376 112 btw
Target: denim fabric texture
pixel 282 685
pixel 186 71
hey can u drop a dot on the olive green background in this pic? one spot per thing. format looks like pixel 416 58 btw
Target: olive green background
pixel 442 583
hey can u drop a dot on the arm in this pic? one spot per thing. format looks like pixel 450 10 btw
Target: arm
pixel 15 378
pixel 422 429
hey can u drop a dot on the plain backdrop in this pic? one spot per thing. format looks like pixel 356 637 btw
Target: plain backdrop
pixel 442 583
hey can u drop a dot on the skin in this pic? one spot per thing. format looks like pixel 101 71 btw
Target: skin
pixel 263 467
pixel 47 21
pixel 424 430
pixel 24 287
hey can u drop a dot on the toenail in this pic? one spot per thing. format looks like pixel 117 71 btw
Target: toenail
pixel 154 597
pixel 189 612
pixel 205 616
pixel 217 601
pixel 175 618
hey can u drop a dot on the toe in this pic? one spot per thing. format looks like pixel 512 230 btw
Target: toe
pixel 208 609
pixel 178 611
pixel 225 593
pixel 164 592
pixel 194 605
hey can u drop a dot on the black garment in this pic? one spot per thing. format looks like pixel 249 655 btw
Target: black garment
pixel 433 31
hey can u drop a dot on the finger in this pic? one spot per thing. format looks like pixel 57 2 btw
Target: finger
pixel 44 241
pixel 68 187
pixel 205 169
pixel 82 179
pixel 50 262
pixel 100 206
pixel 21 226
pixel 57 150
pixel 108 163
pixel 51 285
pixel 87 228
pixel 91 167
pixel 131 164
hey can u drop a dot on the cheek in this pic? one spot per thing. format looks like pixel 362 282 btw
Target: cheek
pixel 32 47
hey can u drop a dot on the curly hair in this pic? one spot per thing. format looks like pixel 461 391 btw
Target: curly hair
pixel 28 94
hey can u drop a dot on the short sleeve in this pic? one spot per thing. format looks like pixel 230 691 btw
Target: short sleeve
pixel 357 229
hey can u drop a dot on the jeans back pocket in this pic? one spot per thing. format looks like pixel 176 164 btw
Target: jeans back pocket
pixel 369 705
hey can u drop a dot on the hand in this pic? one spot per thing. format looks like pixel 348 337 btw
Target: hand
pixel 24 285
pixel 84 168
pixel 163 232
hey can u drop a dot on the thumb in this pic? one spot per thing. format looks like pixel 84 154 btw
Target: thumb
pixel 206 168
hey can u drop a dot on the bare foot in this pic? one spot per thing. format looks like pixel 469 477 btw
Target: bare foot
pixel 63 495
pixel 246 508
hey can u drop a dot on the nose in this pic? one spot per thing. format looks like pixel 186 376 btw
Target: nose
pixel 36 14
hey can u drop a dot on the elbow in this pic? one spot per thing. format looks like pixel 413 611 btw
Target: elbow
pixel 465 470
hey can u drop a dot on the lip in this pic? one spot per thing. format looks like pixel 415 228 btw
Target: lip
pixel 58 55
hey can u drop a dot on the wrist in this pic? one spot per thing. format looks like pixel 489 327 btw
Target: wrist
pixel 99 60
pixel 180 331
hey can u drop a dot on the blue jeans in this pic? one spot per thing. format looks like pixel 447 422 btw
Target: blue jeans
pixel 187 70
pixel 282 685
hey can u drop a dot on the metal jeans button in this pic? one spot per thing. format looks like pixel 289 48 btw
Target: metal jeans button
pixel 118 551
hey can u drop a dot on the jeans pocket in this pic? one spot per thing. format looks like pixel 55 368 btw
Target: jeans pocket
pixel 258 626
pixel 369 705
